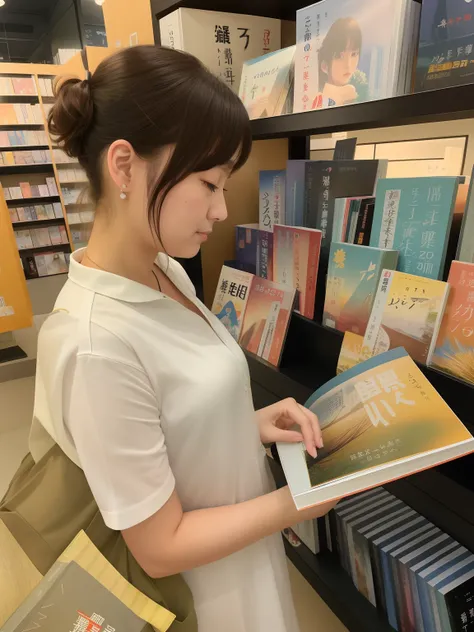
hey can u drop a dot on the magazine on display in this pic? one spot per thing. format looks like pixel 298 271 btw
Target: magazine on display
pixel 381 420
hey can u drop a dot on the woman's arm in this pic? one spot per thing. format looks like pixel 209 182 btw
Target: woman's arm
pixel 172 541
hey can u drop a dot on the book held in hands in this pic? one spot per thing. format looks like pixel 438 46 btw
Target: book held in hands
pixel 381 420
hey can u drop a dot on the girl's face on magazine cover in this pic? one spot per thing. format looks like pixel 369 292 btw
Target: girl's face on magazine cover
pixel 343 66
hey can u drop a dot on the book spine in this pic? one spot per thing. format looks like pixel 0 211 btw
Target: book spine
pixel 437 326
pixel 364 236
pixel 375 320
pixel 361 220
pixel 313 263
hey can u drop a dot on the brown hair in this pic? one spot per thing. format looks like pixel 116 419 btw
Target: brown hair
pixel 151 97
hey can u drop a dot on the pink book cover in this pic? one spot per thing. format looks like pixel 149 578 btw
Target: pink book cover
pixel 266 319
pixel 23 85
pixel 454 352
pixel 295 263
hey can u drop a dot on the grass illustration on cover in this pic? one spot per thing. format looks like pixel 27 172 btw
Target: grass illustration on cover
pixel 381 420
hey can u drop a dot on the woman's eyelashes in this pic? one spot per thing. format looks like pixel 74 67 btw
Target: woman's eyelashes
pixel 212 187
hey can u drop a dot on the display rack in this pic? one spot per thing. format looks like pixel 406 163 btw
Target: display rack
pixel 444 495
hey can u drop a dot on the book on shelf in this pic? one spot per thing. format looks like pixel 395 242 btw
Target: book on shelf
pixel 49 263
pixel 385 401
pixel 267 84
pixel 352 281
pixel 446 40
pixel 23 86
pixel 295 263
pixel 308 533
pixel 246 243
pixel 350 353
pixel 271 208
pixel 83 591
pixel 465 250
pixel 231 298
pixel 20 138
pixel 265 254
pixel 347 51
pixel 407 312
pixel 414 216
pixel 266 319
pixel 20 114
pixel 222 41
pixel 454 350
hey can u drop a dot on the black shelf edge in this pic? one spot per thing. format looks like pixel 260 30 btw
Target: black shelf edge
pixel 44 167
pixel 423 107
pixel 20 126
pixel 281 9
pixel 38 223
pixel 19 98
pixel 39 249
pixel 12 353
pixel 24 147
pixel 31 201
pixel 334 586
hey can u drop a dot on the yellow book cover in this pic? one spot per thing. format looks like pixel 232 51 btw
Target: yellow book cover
pixel 350 353
pixel 407 313
pixel 381 420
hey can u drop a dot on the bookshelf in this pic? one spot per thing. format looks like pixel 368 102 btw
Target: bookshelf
pixel 444 495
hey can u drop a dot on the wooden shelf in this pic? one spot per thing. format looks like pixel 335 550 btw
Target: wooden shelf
pixel 39 249
pixel 19 98
pixel 38 223
pixel 424 107
pixel 31 201
pixel 6 170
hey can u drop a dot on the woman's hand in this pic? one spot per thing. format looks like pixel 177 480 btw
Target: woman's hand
pixel 275 422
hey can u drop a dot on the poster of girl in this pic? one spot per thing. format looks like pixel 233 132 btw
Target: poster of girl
pixel 350 51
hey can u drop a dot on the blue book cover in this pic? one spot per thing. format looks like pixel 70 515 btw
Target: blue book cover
pixel 265 255
pixel 246 237
pixel 295 192
pixel 426 575
pixel 351 284
pixel 271 199
pixel 414 216
pixel 446 47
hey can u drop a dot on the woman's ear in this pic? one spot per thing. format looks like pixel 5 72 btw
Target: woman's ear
pixel 120 157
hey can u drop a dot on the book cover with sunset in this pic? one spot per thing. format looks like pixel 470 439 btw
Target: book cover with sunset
pixel 352 282
pixel 231 298
pixel 351 352
pixel 295 263
pixel 266 319
pixel 380 421
pixel 454 351
pixel 407 313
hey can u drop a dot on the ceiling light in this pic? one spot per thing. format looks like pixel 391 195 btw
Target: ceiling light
pixel 2 3
pixel 99 2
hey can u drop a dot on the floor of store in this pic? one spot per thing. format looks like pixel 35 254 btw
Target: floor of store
pixel 16 404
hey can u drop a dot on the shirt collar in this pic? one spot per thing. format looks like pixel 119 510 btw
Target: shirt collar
pixel 113 285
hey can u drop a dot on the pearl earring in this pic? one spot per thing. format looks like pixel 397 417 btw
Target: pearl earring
pixel 123 195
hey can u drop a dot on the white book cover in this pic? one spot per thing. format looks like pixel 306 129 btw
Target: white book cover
pixel 222 41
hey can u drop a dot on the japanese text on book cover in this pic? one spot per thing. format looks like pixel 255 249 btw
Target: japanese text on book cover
pixel 352 282
pixel 342 52
pixel 231 298
pixel 407 313
pixel 454 350
pixel 369 419
pixel 414 216
pixel 266 319
pixel 272 199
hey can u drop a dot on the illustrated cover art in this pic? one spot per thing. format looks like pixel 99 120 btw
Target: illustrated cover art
pixel 352 281
pixel 83 592
pixel 465 251
pixel 231 298
pixel 246 244
pixel 266 319
pixel 295 263
pixel 271 199
pixel 343 53
pixel 414 216
pixel 454 351
pixel 350 353
pixel 377 414
pixel 266 86
pixel 407 313
pixel 445 53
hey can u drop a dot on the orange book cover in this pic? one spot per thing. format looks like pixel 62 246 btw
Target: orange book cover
pixel 25 189
pixel 266 319
pixel 7 114
pixel 454 351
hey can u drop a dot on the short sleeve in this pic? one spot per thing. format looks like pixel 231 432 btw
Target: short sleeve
pixel 112 414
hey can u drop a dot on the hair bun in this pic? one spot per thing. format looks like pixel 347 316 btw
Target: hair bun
pixel 71 116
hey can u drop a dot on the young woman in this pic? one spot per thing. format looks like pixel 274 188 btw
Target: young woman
pixel 137 381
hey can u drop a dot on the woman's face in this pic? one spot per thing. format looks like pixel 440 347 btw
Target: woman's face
pixel 343 66
pixel 190 211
